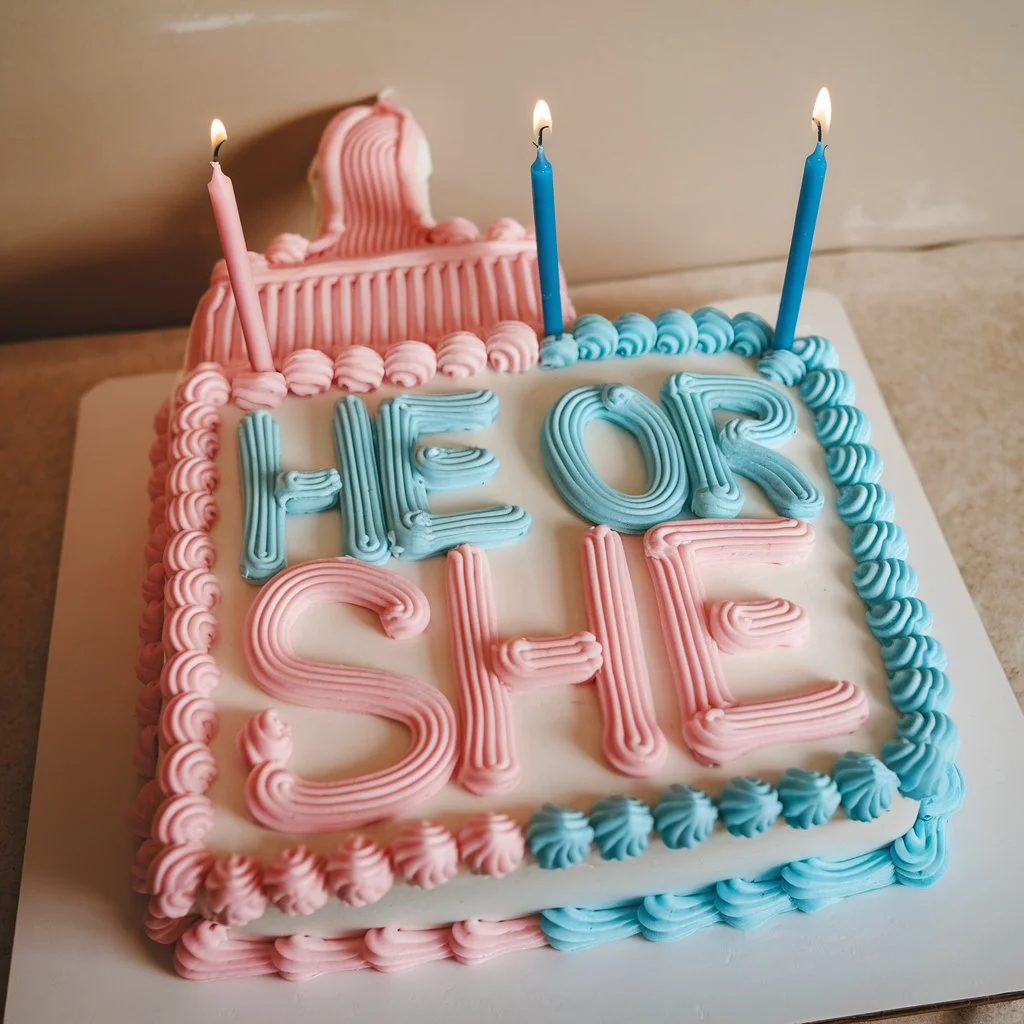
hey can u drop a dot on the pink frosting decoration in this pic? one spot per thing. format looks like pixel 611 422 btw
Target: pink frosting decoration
pixel 255 389
pixel 158 447
pixel 148 665
pixel 187 768
pixel 191 549
pixel 175 876
pixel 153 584
pixel 166 930
pixel 276 797
pixel 155 544
pixel 359 370
pixel 716 727
pixel 157 513
pixel 190 628
pixel 183 819
pixel 741 626
pixel 144 855
pixel 461 354
pixel 144 758
pixel 512 347
pixel 156 483
pixel 474 941
pixel 492 844
pixel 382 270
pixel 206 383
pixel 425 854
pixel 161 418
pixel 265 737
pixel 308 372
pixel 148 704
pixel 191 587
pixel 489 764
pixel 192 416
pixel 189 672
pixel 631 738
pixel 409 364
pixel 359 871
pixel 209 952
pixel 296 882
pixel 301 957
pixel 195 510
pixel 198 444
pixel 192 474
pixel 234 890
pixel 531 662
pixel 397 949
pixel 188 716
pixel 151 622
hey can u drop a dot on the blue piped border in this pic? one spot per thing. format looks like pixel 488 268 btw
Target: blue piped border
pixel 921 754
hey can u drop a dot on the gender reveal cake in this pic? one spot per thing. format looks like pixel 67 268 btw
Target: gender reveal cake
pixel 458 641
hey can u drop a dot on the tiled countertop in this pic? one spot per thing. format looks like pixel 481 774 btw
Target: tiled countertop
pixel 943 330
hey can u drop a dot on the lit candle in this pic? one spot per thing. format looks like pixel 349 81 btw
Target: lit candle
pixel 544 224
pixel 803 228
pixel 236 255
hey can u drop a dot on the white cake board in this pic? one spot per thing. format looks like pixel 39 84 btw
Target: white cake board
pixel 80 954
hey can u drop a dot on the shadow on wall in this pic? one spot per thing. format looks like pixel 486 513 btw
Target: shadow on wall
pixel 270 178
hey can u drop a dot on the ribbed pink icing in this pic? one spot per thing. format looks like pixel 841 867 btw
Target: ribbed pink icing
pixel 204 384
pixel 195 444
pixel 738 627
pixel 151 622
pixel 475 941
pixel 265 737
pixel 155 544
pixel 530 662
pixel 359 871
pixel 302 957
pixel 153 582
pixel 287 249
pixel 187 768
pixel 185 818
pixel 506 229
pixel 295 881
pixel 359 370
pixel 234 890
pixel 161 418
pixel 188 716
pixel 512 347
pixel 308 371
pixel 141 862
pixel 192 474
pixel 166 930
pixel 716 727
pixel 456 231
pixel 192 416
pixel 149 663
pixel 145 755
pixel 425 854
pixel 190 627
pixel 279 799
pixel 492 844
pixel 156 482
pixel 461 354
pixel 147 704
pixel 254 389
pixel 190 549
pixel 194 510
pixel 157 513
pixel 191 587
pixel 175 876
pixel 189 672
pixel 409 364
pixel 208 951
pixel 397 949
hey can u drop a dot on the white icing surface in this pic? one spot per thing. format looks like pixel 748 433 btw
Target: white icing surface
pixel 539 591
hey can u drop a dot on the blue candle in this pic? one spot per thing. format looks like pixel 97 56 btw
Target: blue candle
pixel 803 229
pixel 544 224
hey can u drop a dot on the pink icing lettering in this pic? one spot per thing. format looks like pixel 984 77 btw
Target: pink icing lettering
pixel 741 626
pixel 531 662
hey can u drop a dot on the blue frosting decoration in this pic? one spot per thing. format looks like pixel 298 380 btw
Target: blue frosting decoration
pixel 571 928
pixel 926 743
pixel 872 541
pixel 714 330
pixel 752 334
pixel 782 366
pixel 742 445
pixel 299 492
pixel 748 903
pixel 948 799
pixel 415 531
pixel 259 449
pixel 564 451
pixel 596 337
pixel 853 464
pixel 913 651
pixel 748 806
pixel 920 689
pixel 673 916
pixel 864 503
pixel 816 353
pixel 637 335
pixel 451 469
pixel 884 579
pixel 558 352
pixel 364 534
pixel 684 816
pixel 677 332
pixel 808 798
pixel 559 837
pixel 900 617
pixel 823 388
pixel 866 786
pixel 920 856
pixel 818 881
pixel 842 424
pixel 622 827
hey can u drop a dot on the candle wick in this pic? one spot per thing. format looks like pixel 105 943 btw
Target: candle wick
pixel 818 123
pixel 216 149
pixel 540 136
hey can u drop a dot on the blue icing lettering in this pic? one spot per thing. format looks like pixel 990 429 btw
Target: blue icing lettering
pixel 677 332
pixel 853 464
pixel 808 798
pixel 920 689
pixel 637 335
pixel 452 469
pixel 714 330
pixel 622 827
pixel 572 928
pixel 899 617
pixel 920 856
pixel 866 786
pixel 748 806
pixel 684 816
pixel 417 532
pixel 559 837
pixel 573 474
pixel 300 492
pixel 669 917
pixel 752 334
pixel 259 448
pixel 596 337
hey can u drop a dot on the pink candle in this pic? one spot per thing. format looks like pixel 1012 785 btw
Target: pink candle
pixel 236 255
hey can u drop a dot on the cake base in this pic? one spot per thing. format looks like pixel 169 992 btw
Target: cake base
pixel 75 908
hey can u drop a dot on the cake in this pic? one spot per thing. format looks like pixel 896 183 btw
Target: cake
pixel 458 641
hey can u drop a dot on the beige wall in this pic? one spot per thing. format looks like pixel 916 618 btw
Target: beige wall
pixel 680 129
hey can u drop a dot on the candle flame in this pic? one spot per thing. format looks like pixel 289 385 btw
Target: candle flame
pixel 541 117
pixel 218 134
pixel 822 115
